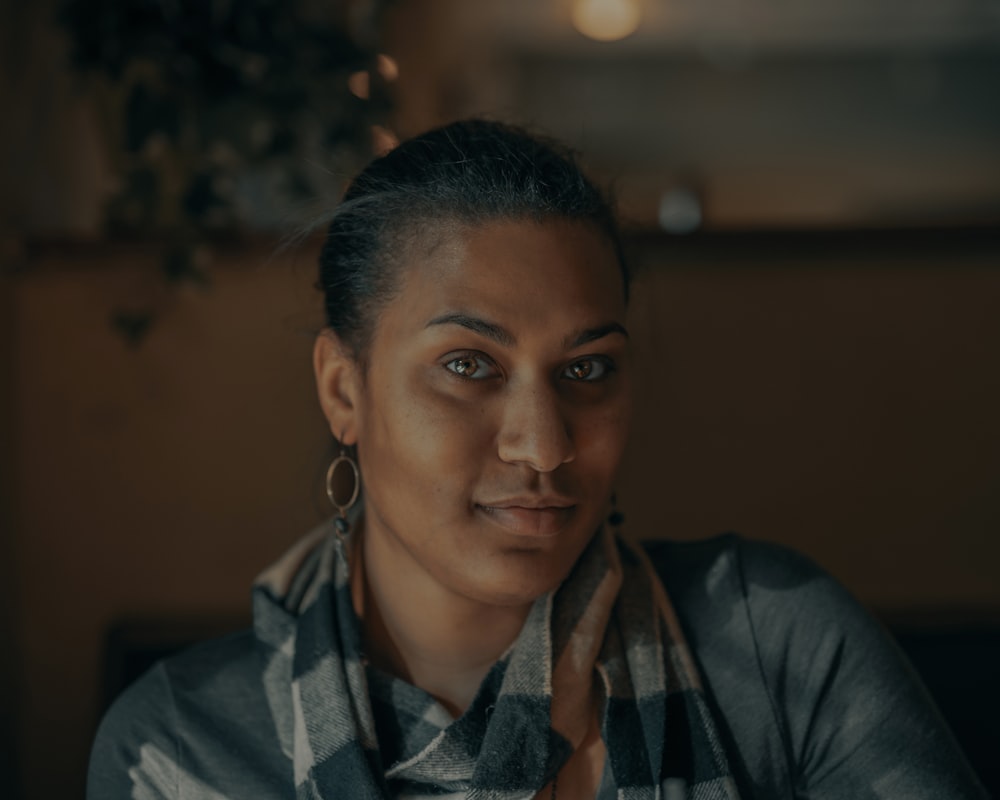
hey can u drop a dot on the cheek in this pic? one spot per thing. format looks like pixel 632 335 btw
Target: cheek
pixel 601 436
pixel 417 436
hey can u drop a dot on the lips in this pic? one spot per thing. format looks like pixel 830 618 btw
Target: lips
pixel 530 516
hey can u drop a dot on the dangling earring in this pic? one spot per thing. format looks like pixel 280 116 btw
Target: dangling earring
pixel 340 522
pixel 616 517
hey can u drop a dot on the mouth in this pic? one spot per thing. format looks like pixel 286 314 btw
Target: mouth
pixel 530 516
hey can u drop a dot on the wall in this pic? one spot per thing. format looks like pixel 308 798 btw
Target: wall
pixel 842 404
pixel 786 139
pixel 152 480
pixel 10 666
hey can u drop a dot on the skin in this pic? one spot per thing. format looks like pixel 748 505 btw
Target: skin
pixel 490 422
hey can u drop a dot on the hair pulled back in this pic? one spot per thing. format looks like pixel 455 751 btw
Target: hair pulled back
pixel 467 172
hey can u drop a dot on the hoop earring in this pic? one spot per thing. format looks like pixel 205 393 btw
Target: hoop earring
pixel 340 522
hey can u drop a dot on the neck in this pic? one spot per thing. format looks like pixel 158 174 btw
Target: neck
pixel 419 631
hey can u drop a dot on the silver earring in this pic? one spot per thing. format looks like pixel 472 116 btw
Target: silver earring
pixel 340 522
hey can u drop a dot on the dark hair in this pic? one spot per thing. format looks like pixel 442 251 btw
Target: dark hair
pixel 466 172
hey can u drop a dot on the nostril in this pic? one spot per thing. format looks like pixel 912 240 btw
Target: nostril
pixel 543 450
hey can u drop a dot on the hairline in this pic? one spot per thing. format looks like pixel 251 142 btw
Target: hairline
pixel 457 222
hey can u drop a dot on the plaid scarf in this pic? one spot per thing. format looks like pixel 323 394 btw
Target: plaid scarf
pixel 607 637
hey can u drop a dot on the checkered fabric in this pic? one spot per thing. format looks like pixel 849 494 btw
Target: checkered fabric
pixel 607 636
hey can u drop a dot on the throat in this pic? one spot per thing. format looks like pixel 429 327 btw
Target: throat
pixel 437 643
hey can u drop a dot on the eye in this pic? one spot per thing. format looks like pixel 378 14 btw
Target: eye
pixel 588 369
pixel 473 366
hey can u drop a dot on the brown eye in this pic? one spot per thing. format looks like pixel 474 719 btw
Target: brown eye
pixel 466 366
pixel 470 366
pixel 589 369
pixel 581 370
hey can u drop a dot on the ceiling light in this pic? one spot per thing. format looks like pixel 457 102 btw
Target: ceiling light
pixel 606 20
pixel 680 210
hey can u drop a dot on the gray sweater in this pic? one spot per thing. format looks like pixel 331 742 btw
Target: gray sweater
pixel 811 698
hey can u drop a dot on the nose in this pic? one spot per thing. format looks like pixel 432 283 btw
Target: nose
pixel 535 429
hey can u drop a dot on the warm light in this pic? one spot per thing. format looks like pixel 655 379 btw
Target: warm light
pixel 387 67
pixel 606 20
pixel 360 84
pixel 383 140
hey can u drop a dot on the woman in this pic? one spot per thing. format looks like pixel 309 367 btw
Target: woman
pixel 472 627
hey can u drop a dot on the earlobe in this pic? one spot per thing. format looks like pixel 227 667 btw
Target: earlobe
pixel 336 374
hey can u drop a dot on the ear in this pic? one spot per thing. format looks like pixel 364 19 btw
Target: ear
pixel 338 385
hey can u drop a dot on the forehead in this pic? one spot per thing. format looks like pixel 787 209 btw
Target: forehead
pixel 549 275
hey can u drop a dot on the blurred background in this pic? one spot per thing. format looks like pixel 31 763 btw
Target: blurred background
pixel 812 196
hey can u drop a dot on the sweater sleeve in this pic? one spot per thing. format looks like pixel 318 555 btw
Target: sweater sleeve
pixel 197 726
pixel 135 750
pixel 858 724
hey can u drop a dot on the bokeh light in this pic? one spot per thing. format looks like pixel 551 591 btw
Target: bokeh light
pixel 606 20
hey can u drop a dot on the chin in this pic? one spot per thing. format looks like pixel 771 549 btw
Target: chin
pixel 518 578
pixel 512 598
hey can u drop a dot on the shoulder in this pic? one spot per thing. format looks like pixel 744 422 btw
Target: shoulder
pixel 727 561
pixel 138 727
pixel 778 606
pixel 815 698
pixel 199 719
pixel 771 590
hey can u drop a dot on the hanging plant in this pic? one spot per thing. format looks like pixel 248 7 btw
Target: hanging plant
pixel 225 115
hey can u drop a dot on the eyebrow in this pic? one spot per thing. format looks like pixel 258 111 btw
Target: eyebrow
pixel 505 338
pixel 593 334
pixel 490 330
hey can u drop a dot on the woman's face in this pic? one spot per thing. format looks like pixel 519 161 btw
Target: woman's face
pixel 491 419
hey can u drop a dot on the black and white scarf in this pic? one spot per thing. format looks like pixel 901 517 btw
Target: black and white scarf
pixel 607 635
